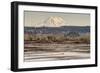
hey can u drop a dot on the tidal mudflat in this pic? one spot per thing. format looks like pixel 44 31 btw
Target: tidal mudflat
pixel 51 52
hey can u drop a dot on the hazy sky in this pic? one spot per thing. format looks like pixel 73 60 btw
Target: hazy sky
pixel 33 18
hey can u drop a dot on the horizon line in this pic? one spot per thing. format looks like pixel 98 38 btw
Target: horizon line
pixel 59 26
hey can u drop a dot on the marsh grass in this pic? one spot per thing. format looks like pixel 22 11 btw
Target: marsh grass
pixel 46 38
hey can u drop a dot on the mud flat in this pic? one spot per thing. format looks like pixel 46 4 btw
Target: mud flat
pixel 51 52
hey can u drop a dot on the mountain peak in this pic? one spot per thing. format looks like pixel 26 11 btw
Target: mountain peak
pixel 54 21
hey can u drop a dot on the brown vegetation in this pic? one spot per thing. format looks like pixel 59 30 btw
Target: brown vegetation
pixel 46 38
